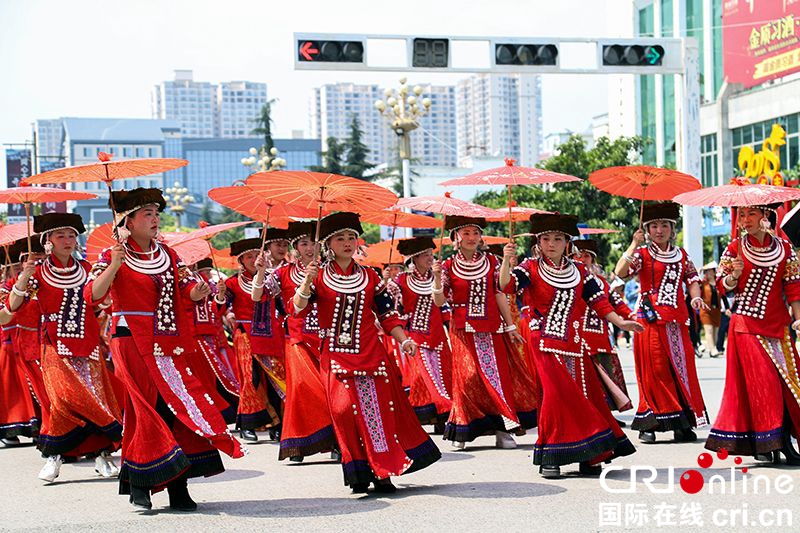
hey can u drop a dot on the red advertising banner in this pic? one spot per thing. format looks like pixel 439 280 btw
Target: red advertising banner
pixel 760 40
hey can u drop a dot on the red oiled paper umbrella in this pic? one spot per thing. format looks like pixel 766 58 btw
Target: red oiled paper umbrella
pixel 596 231
pixel 11 233
pixel 516 214
pixel 107 171
pixel 321 191
pixel 99 239
pixel 509 176
pixel 27 195
pixel 446 205
pixel 203 237
pixel 641 182
pixel 398 219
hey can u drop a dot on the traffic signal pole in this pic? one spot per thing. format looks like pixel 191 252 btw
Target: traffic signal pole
pixel 531 55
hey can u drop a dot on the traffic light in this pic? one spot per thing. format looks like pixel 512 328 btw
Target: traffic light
pixel 330 51
pixel 430 53
pixel 525 54
pixel 633 55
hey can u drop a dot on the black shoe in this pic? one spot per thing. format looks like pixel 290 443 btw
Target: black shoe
pixel 589 470
pixel 438 428
pixel 179 499
pixel 359 488
pixel 550 471
pixel 685 435
pixel 384 486
pixel 275 434
pixel 792 457
pixel 647 437
pixel 140 498
pixel 10 441
pixel 336 455
pixel 621 423
pixel 296 458
pixel 763 457
pixel 248 434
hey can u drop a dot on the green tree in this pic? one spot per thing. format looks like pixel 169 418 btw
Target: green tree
pixel 355 163
pixel 264 125
pixel 331 158
pixel 592 206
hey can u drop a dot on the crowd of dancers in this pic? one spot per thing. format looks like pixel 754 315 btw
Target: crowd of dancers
pixel 142 353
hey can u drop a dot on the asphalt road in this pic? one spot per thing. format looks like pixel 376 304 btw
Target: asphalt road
pixel 478 489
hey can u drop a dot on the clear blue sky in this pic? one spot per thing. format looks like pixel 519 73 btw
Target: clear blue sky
pixel 100 58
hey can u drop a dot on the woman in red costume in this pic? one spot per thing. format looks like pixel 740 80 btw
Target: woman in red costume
pixel 215 370
pixel 18 410
pixel 85 418
pixel 376 428
pixel 306 427
pixel 430 371
pixel 172 429
pixel 254 337
pixel 493 389
pixel 670 398
pixel 575 423
pixel 760 409
pixel 595 333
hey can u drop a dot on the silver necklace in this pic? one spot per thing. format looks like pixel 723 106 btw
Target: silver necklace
pixel 672 255
pixel 63 278
pixel 158 263
pixel 297 273
pixel 420 285
pixel 769 256
pixel 565 276
pixel 245 284
pixel 355 282
pixel 471 270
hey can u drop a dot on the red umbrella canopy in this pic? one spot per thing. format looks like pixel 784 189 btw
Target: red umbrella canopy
pixel 397 218
pixel 11 233
pixel 511 175
pixel 643 182
pixel 203 233
pixel 107 170
pixel 736 195
pixel 40 195
pixel 321 191
pixel 518 214
pixel 596 231
pixel 99 239
pixel 246 201
pixel 446 205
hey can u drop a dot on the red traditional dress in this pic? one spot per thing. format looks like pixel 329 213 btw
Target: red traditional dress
pixel 307 427
pixel 430 372
pixel 376 428
pixel 171 427
pixel 669 392
pixel 18 411
pixel 761 400
pixel 491 391
pixel 217 370
pixel 255 336
pixel 575 423
pixel 596 335
pixel 85 417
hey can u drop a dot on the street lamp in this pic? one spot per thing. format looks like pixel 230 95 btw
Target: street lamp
pixel 177 197
pixel 263 160
pixel 403 110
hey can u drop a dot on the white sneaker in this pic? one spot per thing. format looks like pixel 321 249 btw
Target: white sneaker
pixel 459 445
pixel 51 468
pixel 504 440
pixel 104 466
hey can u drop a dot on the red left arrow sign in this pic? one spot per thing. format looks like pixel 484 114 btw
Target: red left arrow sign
pixel 308 51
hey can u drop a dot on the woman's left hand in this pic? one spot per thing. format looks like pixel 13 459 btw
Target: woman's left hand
pixel 631 325
pixel 516 338
pixel 409 347
pixel 699 305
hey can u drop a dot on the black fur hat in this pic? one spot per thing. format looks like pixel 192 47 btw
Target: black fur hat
pixel 415 246
pixel 554 222
pixel 455 222
pixel 661 211
pixel 298 230
pixel 338 222
pixel 588 245
pixel 55 221
pixel 245 245
pixel 126 202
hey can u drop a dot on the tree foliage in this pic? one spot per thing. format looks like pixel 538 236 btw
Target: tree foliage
pixel 593 207
pixel 264 125
pixel 331 158
pixel 355 163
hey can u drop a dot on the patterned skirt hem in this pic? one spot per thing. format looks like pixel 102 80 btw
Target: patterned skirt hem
pixel 254 421
pixel 582 450
pixel 323 440
pixel 162 471
pixel 745 442
pixel 650 421
pixel 63 444
pixel 423 456
pixel 20 429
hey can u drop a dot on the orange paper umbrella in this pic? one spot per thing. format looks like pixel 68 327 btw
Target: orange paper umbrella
pixel 38 195
pixel 321 191
pixel 510 175
pixel 99 239
pixel 11 233
pixel 596 231
pixel 643 183
pixel 381 253
pixel 395 218
pixel 203 236
pixel 445 205
pixel 107 171
pixel 517 214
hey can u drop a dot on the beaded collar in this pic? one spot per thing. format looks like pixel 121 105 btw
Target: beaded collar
pixel 154 261
pixel 564 276
pixel 245 282
pixel 345 283
pixel 471 270
pixel 767 256
pixel 297 273
pixel 672 255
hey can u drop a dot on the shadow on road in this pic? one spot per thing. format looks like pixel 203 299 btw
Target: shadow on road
pixel 293 507
pixel 489 489
pixel 229 475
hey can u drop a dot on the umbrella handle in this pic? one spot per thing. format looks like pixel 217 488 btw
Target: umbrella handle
pixel 316 233
pixel 111 203
pixel 391 246
pixel 441 237
pixel 28 225
pixel 213 259
pixel 510 215
pixel 266 227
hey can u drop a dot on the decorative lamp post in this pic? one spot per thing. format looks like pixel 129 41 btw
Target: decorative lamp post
pixel 263 160
pixel 177 197
pixel 403 110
